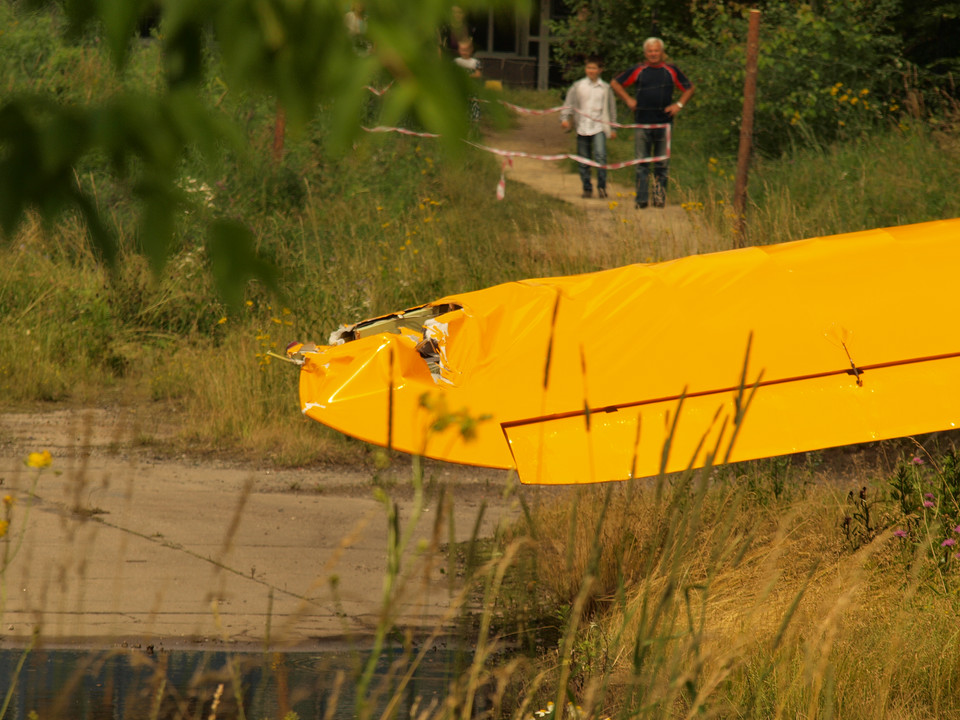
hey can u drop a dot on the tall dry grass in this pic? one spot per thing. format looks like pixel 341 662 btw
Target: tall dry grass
pixel 697 596
pixel 896 175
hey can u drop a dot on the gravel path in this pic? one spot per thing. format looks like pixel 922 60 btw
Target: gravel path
pixel 612 230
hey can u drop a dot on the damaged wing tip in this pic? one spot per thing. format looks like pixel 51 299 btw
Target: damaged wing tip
pixel 295 350
pixel 342 334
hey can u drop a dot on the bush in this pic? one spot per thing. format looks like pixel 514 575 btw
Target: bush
pixel 822 74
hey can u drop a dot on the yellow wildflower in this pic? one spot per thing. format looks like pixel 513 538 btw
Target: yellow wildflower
pixel 8 500
pixel 222 320
pixel 39 459
pixel 4 526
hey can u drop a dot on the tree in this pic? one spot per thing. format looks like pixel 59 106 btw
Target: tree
pixel 298 51
pixel 931 33
pixel 808 54
pixel 615 30
pixel 822 73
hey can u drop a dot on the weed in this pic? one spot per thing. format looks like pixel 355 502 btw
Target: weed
pixel 904 486
pixel 857 526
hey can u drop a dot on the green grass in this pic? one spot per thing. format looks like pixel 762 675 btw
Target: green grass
pixel 896 175
pixel 394 224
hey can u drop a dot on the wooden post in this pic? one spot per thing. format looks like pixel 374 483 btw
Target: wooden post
pixel 543 46
pixel 279 131
pixel 746 131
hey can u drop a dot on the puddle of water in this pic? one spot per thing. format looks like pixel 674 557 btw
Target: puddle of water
pixel 120 684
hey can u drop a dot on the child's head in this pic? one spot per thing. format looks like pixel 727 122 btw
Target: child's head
pixel 593 67
pixel 465 47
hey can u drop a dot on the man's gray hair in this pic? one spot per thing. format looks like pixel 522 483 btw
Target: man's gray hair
pixel 651 40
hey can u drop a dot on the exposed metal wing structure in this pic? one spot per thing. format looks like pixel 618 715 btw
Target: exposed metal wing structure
pixel 823 342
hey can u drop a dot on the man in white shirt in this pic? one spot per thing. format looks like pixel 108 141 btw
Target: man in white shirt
pixel 593 106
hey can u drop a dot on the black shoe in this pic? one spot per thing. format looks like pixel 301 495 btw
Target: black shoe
pixel 642 205
pixel 587 194
pixel 601 192
pixel 659 204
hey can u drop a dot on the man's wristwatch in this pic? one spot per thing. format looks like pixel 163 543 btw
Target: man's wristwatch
pixel 679 104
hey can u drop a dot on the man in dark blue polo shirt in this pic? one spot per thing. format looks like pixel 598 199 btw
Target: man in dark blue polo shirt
pixel 653 104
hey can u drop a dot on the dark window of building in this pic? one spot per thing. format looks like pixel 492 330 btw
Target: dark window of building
pixel 505 31
pixel 534 28
pixel 480 30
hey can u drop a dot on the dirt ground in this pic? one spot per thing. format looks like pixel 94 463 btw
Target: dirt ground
pixel 113 544
pixel 116 545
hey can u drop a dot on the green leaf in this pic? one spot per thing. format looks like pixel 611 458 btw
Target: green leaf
pixel 157 220
pixel 234 261
pixel 119 25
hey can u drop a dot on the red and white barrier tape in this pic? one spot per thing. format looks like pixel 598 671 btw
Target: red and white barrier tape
pixel 570 156
pixel 402 131
pixel 502 183
pixel 534 156
pixel 378 93
pixel 508 155
pixel 548 111
pixel 561 108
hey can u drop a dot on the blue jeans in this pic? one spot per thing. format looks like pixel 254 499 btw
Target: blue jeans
pixel 592 147
pixel 651 142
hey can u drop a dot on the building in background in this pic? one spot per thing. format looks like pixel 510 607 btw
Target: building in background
pixel 515 46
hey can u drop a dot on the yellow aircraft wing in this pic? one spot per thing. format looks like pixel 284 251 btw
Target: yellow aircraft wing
pixel 735 355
